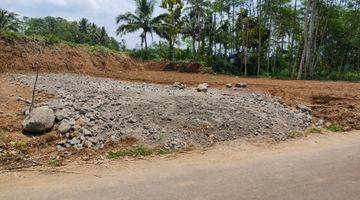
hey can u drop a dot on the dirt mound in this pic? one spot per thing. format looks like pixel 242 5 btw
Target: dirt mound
pixel 26 55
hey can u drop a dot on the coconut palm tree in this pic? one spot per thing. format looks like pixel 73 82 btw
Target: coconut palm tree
pixel 142 19
pixel 8 21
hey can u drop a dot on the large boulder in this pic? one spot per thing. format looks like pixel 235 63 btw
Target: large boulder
pixel 39 120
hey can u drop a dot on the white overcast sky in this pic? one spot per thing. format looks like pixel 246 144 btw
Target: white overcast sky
pixel 101 12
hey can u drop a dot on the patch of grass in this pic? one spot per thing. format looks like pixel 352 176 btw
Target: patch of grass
pixel 54 163
pixel 98 49
pixel 133 152
pixel 71 44
pixel 52 39
pixel 163 151
pixel 294 134
pixel 314 130
pixel 19 145
pixel 335 128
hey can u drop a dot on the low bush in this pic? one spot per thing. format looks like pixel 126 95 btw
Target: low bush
pixel 134 152
pixel 11 37
pixel 52 39
pixel 335 128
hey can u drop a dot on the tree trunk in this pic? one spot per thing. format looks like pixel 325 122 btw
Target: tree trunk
pixel 291 57
pixel 245 38
pixel 305 48
pixel 311 38
pixel 259 47
pixel 145 40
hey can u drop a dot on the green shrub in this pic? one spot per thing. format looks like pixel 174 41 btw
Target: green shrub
pixel 134 152
pixel 315 130
pixel 294 134
pixel 54 163
pixel 98 49
pixel 12 37
pixel 19 145
pixel 335 128
pixel 52 39
pixel 283 74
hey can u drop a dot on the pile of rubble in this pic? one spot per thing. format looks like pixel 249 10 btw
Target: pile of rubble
pixel 89 112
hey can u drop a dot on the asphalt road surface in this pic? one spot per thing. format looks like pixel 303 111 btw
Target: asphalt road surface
pixel 314 168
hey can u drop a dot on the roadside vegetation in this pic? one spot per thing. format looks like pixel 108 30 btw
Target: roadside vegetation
pixel 287 39
pixel 135 151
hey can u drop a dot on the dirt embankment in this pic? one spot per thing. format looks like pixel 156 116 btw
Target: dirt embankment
pixel 26 55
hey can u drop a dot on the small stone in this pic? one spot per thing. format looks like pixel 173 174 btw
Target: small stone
pixel 64 127
pixel 202 87
pixel 240 85
pixel 87 133
pixel 320 123
pixel 60 148
pixel 72 121
pixel 304 108
pixel 74 141
pixel 229 85
pixel 60 115
pixel 88 144
pixel 132 120
pixel 179 85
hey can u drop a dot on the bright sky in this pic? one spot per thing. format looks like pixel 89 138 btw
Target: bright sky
pixel 102 12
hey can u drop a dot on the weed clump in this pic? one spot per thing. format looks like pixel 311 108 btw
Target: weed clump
pixel 315 130
pixel 133 152
pixel 335 128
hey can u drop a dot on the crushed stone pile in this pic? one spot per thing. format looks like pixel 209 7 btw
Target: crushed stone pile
pixel 92 111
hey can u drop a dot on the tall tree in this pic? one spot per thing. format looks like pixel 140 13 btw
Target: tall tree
pixel 173 22
pixel 142 19
pixel 8 21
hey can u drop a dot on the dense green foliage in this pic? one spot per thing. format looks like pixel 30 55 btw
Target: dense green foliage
pixel 56 29
pixel 318 39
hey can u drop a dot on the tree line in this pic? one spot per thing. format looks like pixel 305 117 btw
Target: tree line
pixel 57 28
pixel 289 38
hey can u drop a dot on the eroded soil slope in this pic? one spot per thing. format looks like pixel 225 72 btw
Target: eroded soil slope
pixel 26 55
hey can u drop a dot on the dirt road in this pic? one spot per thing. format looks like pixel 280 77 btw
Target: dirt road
pixel 317 167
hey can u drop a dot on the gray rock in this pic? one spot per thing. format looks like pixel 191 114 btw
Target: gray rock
pixel 320 123
pixel 74 141
pixel 55 105
pixel 304 108
pixel 87 144
pixel 39 120
pixel 87 133
pixel 202 87
pixel 179 85
pixel 64 127
pixel 240 85
pixel 229 85
pixel 60 115
pixel 72 121
pixel 60 148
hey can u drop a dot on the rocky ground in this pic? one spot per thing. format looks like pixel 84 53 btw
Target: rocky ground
pixel 93 111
